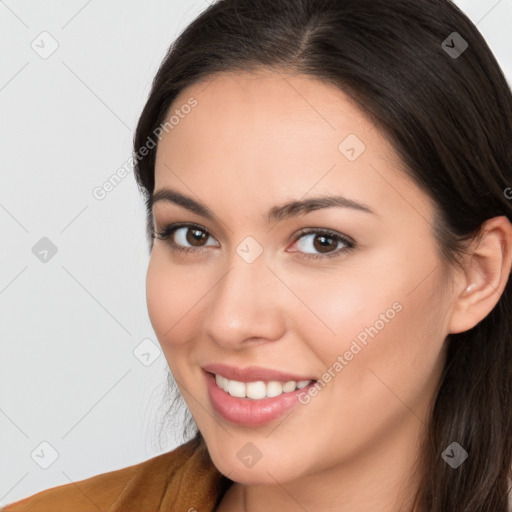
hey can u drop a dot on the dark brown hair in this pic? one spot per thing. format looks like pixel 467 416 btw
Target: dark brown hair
pixel 449 117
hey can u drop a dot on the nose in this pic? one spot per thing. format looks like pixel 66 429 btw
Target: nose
pixel 246 306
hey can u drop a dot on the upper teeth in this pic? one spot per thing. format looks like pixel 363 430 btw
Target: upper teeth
pixel 258 389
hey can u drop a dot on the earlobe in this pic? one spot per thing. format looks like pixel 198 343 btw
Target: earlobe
pixel 485 276
pixel 470 288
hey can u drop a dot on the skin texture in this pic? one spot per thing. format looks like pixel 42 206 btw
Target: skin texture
pixel 257 141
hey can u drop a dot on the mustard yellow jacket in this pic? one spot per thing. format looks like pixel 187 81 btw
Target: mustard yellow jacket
pixel 183 480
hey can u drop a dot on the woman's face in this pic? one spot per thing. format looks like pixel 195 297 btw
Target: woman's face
pixel 367 322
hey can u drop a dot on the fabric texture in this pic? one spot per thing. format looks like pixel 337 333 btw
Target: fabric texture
pixel 183 480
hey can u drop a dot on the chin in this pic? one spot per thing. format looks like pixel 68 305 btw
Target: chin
pixel 261 473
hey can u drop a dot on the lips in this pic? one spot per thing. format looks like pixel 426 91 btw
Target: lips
pixel 253 373
pixel 246 412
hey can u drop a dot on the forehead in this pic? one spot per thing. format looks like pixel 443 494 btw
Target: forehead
pixel 252 136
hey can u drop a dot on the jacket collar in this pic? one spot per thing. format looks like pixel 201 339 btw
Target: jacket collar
pixel 183 480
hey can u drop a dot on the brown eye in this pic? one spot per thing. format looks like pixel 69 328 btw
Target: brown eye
pixel 326 243
pixel 195 236
pixel 187 237
pixel 191 238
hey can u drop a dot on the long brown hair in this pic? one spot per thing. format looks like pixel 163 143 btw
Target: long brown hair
pixel 448 114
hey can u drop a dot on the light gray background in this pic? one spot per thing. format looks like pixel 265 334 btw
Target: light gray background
pixel 70 325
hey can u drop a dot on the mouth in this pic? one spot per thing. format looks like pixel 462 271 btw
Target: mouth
pixel 259 389
pixel 253 403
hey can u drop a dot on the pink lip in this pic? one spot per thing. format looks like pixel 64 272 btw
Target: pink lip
pixel 246 411
pixel 253 373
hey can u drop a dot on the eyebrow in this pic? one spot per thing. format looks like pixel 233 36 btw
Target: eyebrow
pixel 276 213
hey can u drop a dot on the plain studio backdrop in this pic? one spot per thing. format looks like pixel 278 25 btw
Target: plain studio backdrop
pixel 82 376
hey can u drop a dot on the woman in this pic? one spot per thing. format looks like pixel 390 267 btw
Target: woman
pixel 328 191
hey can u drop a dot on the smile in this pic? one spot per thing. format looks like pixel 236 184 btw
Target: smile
pixel 258 389
pixel 257 402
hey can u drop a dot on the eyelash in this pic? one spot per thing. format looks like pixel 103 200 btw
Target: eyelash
pixel 169 229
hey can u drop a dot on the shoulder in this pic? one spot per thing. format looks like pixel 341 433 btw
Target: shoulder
pixel 107 491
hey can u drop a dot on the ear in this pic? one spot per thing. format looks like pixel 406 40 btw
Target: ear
pixel 487 271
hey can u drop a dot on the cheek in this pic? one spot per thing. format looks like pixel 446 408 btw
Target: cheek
pixel 389 370
pixel 392 313
pixel 344 316
pixel 157 300
pixel 170 295
pixel 389 335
